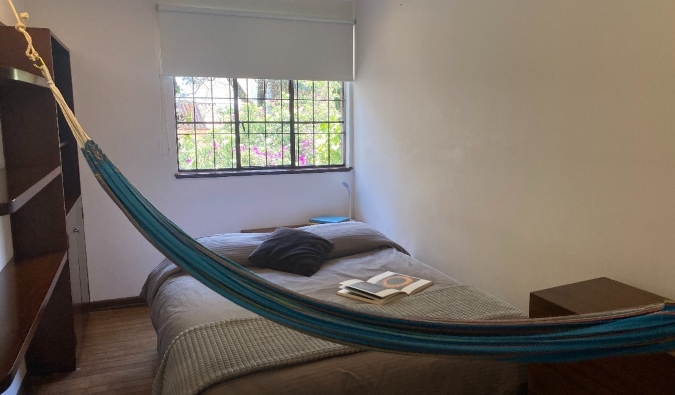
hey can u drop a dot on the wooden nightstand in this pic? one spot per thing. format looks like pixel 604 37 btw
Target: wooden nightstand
pixel 645 374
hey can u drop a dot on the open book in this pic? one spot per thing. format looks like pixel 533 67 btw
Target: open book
pixel 383 288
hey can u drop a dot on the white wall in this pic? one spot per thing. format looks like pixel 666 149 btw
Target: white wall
pixel 114 54
pixel 6 16
pixel 518 145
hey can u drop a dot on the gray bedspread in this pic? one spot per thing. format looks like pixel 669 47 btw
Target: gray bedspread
pixel 178 302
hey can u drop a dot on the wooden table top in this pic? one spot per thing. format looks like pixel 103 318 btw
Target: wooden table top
pixel 599 294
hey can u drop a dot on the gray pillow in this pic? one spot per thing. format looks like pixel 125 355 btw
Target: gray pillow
pixel 234 246
pixel 352 238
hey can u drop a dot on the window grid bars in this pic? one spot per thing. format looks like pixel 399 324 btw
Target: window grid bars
pixel 328 125
pixel 265 126
pixel 291 112
pixel 213 129
pixel 294 141
pixel 313 123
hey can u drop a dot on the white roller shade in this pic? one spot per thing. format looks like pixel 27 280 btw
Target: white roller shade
pixel 218 43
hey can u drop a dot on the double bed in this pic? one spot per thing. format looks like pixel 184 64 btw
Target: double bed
pixel 180 306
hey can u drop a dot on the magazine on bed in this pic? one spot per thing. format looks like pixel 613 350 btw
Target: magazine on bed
pixel 383 288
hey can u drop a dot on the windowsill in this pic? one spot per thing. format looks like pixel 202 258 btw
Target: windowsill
pixel 260 172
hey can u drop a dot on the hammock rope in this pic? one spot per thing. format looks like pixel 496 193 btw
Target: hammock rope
pixel 642 330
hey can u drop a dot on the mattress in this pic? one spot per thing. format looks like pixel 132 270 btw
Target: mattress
pixel 178 302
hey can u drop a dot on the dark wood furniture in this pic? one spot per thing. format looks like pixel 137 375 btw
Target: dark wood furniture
pixel 44 287
pixel 645 374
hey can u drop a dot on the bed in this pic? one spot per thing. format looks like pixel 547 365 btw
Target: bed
pixel 181 307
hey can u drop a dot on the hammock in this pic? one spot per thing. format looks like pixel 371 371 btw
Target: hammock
pixel 648 329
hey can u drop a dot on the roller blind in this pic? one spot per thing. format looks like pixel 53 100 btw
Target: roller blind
pixel 219 43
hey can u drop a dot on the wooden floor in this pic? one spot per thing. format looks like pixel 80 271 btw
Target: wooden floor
pixel 119 357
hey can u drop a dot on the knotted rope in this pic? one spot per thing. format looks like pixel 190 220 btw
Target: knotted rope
pixel 34 56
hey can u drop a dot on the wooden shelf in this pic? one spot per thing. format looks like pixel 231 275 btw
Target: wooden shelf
pixel 18 186
pixel 11 76
pixel 25 288
pixel 42 293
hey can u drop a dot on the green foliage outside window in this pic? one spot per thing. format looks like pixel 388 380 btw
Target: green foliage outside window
pixel 207 129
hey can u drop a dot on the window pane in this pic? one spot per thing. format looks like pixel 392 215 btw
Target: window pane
pixel 336 111
pixel 304 129
pixel 304 89
pixel 321 90
pixel 183 86
pixel 223 145
pixel 257 128
pixel 185 128
pixel 202 87
pixel 284 90
pixel 274 150
pixel 182 128
pixel 243 110
pixel 186 152
pixel 285 111
pixel 251 110
pixel 205 158
pixel 255 89
pixel 184 110
pixel 336 128
pixel 245 149
pixel 321 147
pixel 263 90
pixel 335 90
pixel 304 111
pixel 276 128
pixel 287 149
pixel 258 150
pixel 247 88
pixel 273 111
pixel 273 88
pixel 203 110
pixel 321 111
pixel 222 110
pixel 305 150
pixel 203 129
pixel 226 128
pixel 336 149
pixel 222 88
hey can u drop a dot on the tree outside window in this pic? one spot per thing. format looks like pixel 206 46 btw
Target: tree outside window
pixel 252 124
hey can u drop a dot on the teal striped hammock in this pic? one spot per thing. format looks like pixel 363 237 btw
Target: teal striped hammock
pixel 646 330
pixel 650 329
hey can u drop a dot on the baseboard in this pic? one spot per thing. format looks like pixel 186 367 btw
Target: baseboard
pixel 112 304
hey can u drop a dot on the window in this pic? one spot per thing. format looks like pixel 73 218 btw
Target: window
pixel 230 124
